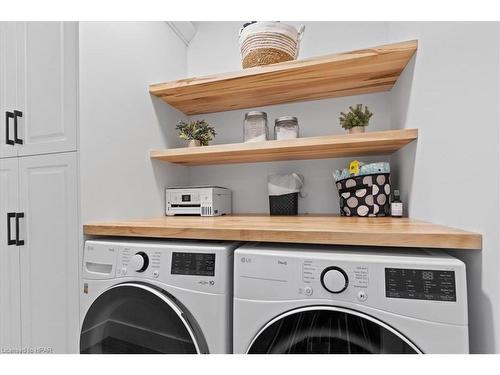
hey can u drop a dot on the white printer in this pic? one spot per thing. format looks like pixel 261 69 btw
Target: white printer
pixel 198 200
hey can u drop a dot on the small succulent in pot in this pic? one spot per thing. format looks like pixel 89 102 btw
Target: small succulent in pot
pixel 356 119
pixel 198 133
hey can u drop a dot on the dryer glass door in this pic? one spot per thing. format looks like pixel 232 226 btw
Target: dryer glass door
pixel 135 318
pixel 329 330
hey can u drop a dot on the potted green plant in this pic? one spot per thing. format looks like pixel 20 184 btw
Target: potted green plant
pixel 198 133
pixel 356 119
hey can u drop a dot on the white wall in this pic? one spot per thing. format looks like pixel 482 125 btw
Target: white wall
pixel 249 181
pixel 120 122
pixel 450 91
pixel 451 176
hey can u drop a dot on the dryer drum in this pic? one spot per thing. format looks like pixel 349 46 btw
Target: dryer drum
pixel 329 330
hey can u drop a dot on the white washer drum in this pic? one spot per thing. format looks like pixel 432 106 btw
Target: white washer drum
pixel 295 299
pixel 136 318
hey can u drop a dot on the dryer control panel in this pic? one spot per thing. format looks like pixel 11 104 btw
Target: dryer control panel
pixel 425 284
pixel 411 283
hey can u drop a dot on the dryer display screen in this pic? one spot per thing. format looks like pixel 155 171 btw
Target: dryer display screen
pixel 197 264
pixel 434 285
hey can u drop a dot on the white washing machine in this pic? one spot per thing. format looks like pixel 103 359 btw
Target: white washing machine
pixel 156 297
pixel 298 299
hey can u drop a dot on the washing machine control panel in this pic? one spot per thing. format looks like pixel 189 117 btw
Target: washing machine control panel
pixel 149 263
pixel 196 267
pixel 142 262
pixel 191 265
pixel 194 264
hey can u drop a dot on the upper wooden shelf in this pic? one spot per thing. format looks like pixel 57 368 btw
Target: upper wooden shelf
pixel 314 229
pixel 350 73
pixel 345 145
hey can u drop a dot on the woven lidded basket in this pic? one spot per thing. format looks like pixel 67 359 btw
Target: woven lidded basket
pixel 264 43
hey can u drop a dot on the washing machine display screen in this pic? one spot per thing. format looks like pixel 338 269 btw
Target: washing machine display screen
pixel 420 284
pixel 197 264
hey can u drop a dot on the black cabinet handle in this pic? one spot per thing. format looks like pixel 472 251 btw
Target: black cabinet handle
pixel 8 115
pixel 19 242
pixel 10 241
pixel 16 138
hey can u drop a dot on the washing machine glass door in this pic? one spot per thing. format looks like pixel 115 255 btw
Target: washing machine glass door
pixel 328 330
pixel 135 318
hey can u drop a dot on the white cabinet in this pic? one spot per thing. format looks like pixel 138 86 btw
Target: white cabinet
pixel 48 84
pixel 9 85
pixel 38 186
pixel 49 257
pixel 38 87
pixel 10 308
pixel 39 273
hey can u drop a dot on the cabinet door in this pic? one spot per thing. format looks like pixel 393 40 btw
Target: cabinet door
pixel 10 311
pixel 49 87
pixel 9 85
pixel 49 258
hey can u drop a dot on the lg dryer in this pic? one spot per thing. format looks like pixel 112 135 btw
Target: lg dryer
pixel 156 297
pixel 298 299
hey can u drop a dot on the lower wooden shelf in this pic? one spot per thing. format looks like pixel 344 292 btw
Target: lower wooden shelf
pixel 314 229
pixel 330 146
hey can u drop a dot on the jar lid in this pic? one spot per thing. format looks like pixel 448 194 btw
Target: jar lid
pixel 256 113
pixel 286 118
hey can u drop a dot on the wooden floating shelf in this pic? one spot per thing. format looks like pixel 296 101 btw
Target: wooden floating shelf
pixel 314 229
pixel 331 146
pixel 351 73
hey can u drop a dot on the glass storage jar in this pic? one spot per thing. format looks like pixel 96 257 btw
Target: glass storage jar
pixel 255 126
pixel 286 127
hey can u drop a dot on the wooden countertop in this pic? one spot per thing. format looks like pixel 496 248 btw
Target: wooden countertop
pixel 314 229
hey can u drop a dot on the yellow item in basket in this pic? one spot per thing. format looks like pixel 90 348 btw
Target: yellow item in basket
pixel 354 168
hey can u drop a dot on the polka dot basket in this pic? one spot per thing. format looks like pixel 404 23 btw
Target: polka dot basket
pixel 367 195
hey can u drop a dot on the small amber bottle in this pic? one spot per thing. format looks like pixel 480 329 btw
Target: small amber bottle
pixel 396 205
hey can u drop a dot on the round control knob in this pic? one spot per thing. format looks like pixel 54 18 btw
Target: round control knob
pixel 334 279
pixel 139 262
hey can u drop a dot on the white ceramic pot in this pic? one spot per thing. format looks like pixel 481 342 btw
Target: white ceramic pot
pixel 194 143
pixel 357 130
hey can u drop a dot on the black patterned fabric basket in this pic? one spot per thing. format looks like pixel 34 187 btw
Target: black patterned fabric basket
pixel 368 195
pixel 286 204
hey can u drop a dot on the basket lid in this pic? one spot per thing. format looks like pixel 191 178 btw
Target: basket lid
pixel 269 26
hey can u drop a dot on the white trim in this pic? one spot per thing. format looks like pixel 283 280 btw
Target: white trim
pixel 185 30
